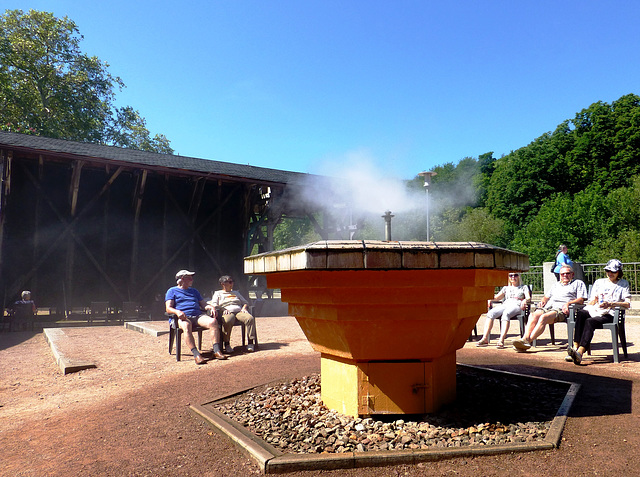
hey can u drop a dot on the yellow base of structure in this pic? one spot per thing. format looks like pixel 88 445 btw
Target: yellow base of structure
pixel 388 387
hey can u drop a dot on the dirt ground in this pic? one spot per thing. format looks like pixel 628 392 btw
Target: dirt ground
pixel 130 415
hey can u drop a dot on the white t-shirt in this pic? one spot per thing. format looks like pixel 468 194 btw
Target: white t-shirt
pixel 229 301
pixel 561 294
pixel 605 290
pixel 513 295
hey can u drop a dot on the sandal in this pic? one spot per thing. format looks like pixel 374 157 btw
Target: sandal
pixel 500 345
pixel 482 343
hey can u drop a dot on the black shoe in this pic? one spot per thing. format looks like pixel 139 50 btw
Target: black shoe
pixel 575 356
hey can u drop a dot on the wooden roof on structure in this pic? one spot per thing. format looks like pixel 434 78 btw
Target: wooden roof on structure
pixel 170 163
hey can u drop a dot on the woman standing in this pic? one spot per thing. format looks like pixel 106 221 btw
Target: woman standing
pixel 606 294
pixel 562 258
pixel 516 296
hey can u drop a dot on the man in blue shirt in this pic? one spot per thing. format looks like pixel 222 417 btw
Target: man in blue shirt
pixel 187 304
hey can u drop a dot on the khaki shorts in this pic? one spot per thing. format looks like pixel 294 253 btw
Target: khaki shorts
pixel 560 316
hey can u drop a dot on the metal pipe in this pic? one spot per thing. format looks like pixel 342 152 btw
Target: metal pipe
pixel 387 225
pixel 427 175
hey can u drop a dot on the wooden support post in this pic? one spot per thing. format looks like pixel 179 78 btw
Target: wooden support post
pixel 138 195
pixel 5 188
pixel 74 187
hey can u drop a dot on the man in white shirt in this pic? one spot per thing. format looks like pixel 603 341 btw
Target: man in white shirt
pixel 230 305
pixel 553 308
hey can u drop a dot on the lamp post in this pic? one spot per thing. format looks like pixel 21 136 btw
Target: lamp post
pixel 427 175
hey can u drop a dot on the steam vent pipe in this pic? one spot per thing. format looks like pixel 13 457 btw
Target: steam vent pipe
pixel 387 317
pixel 387 225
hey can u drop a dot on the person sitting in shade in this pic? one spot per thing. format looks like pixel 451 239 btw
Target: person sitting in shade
pixel 230 305
pixel 187 304
pixel 515 296
pixel 27 301
pixel 553 308
pixel 606 294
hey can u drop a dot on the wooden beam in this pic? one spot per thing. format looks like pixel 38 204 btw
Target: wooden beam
pixel 5 188
pixel 138 195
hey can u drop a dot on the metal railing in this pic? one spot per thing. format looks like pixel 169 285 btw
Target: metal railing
pixel 592 271
pixel 535 278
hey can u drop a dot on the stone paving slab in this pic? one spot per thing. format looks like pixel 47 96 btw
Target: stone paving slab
pixel 152 328
pixel 61 344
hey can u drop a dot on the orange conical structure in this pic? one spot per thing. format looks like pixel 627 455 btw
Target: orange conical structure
pixel 387 317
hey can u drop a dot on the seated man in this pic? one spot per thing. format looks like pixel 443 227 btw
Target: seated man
pixel 187 304
pixel 232 306
pixel 553 308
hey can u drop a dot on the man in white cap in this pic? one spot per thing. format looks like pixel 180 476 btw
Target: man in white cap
pixel 187 304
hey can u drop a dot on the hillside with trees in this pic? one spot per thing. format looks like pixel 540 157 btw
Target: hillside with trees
pixel 579 185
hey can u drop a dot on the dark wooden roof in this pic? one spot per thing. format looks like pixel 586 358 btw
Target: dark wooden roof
pixel 143 159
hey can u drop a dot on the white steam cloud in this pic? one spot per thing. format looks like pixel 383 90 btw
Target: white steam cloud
pixel 367 191
pixel 356 182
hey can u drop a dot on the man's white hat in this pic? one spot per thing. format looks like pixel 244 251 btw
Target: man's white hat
pixel 183 273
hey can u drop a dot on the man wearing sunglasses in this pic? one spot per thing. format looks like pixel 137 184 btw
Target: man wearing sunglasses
pixel 230 306
pixel 553 308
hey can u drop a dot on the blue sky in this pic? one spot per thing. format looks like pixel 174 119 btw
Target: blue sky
pixel 403 85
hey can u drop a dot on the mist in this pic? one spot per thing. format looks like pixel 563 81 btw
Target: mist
pixel 354 189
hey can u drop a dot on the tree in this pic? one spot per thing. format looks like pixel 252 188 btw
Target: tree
pixel 476 225
pixel 130 131
pixel 292 231
pixel 50 88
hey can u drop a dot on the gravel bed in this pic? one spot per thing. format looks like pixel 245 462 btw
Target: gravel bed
pixel 491 408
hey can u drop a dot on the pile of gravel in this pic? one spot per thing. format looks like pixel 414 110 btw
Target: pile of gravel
pixel 490 408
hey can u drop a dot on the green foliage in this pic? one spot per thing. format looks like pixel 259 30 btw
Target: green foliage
pixel 293 231
pixel 453 186
pixel 601 145
pixel 130 131
pixel 594 225
pixel 475 225
pixel 49 87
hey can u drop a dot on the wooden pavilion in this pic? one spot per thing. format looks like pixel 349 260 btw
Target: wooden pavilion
pixel 82 222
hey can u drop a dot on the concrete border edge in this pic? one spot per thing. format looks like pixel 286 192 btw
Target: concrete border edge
pixel 66 365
